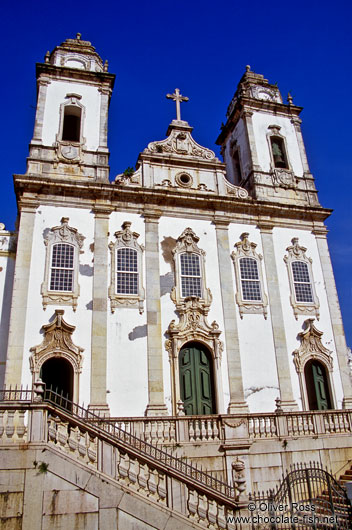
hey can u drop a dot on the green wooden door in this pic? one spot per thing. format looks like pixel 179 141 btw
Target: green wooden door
pixel 196 379
pixel 320 386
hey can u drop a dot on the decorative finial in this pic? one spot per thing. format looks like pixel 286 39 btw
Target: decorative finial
pixel 178 98
pixel 47 56
pixel 78 36
pixel 106 65
pixel 248 68
pixel 289 99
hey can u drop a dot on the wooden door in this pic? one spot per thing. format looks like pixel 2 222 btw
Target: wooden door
pixel 196 379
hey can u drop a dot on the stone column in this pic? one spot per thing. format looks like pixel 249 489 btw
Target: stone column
pixel 98 381
pixel 277 319
pixel 156 404
pixel 237 402
pixel 38 126
pixel 335 315
pixel 19 306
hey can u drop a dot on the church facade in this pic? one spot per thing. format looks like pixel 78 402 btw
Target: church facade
pixel 187 288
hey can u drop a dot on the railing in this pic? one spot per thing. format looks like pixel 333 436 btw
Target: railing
pixel 308 497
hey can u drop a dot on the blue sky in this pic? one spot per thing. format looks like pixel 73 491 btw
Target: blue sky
pixel 202 48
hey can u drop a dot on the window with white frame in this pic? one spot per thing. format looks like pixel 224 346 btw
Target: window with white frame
pixel 62 267
pixel 191 279
pixel 126 282
pixel 250 295
pixel 303 297
pixel 250 281
pixel 301 280
pixel 189 262
pixel 60 285
pixel 127 271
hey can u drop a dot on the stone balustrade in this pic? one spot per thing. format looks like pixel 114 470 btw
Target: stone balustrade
pixel 13 426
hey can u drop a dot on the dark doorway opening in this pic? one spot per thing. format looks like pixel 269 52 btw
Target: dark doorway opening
pixel 57 374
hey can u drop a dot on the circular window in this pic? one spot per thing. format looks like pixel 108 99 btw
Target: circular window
pixel 184 179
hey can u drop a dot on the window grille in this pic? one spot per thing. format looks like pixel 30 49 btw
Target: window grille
pixel 62 269
pixel 301 279
pixel 191 280
pixel 127 271
pixel 250 279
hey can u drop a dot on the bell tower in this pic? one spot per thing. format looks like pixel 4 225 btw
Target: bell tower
pixel 262 144
pixel 70 132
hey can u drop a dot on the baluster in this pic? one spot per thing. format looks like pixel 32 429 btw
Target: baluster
pixel 92 450
pixel 2 429
pixel 191 430
pixel 203 430
pixel 221 516
pixel 251 427
pixel 82 445
pixel 147 433
pixel 52 430
pixel 172 431
pixel 10 427
pixel 153 431
pixel 215 430
pixel 159 432
pixel 20 428
pixel 152 483
pixel 192 504
pixel 162 488
pixel 202 507
pixel 123 466
pixel 73 438
pixel 143 476
pixel 212 513
pixel 62 434
pixel 197 430
pixel 132 472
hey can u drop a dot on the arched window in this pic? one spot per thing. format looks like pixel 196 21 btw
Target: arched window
pixel 300 274
pixel 62 267
pixel 278 152
pixel 196 379
pixel 60 285
pixel 317 386
pixel 126 282
pixel 71 127
pixel 250 295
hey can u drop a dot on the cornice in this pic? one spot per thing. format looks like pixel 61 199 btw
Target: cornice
pixel 86 194
pixel 69 74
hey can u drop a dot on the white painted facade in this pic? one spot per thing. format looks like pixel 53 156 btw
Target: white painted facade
pixel 187 188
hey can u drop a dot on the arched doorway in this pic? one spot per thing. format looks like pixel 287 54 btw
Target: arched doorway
pixel 57 374
pixel 196 379
pixel 317 385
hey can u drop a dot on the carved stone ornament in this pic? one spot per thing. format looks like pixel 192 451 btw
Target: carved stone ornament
pixel 235 191
pixel 247 249
pixel 125 238
pixel 283 178
pixel 181 143
pixel 57 342
pixel 62 234
pixel 265 94
pixel 298 253
pixel 133 179
pixel 311 347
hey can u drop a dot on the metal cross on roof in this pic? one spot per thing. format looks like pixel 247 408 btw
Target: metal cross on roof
pixel 178 98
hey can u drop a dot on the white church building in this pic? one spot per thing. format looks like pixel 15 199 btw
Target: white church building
pixel 190 302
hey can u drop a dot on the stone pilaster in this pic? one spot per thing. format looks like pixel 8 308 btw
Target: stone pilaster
pixel 335 315
pixel 248 125
pixel 19 306
pixel 277 319
pixel 156 402
pixel 104 108
pixel 237 402
pixel 302 150
pixel 38 126
pixel 98 381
